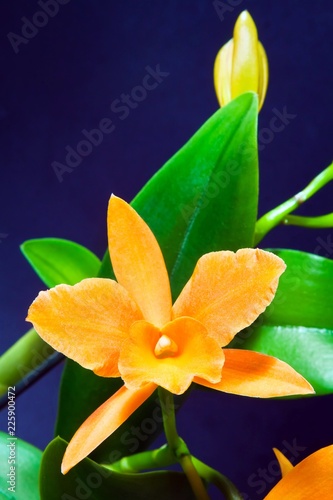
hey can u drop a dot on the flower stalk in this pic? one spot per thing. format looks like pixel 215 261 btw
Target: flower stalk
pixel 279 214
pixel 163 457
pixel 212 476
pixel 153 459
pixel 178 446
pixel 322 221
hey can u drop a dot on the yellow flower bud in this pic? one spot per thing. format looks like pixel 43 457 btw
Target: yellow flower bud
pixel 241 65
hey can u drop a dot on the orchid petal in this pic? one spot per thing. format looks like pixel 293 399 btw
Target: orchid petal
pixel 245 58
pixel 228 290
pixel 196 354
pixel 311 478
pixel 103 422
pixel 253 374
pixel 263 74
pixel 87 322
pixel 285 465
pixel 138 261
pixel 222 73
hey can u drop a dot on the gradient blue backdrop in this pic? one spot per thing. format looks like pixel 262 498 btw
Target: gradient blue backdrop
pixel 64 80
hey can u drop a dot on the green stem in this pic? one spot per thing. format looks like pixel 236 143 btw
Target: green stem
pixel 162 457
pixel 193 477
pixel 178 447
pixel 177 451
pixel 323 221
pixel 24 363
pixel 276 216
pixel 211 475
pixel 169 418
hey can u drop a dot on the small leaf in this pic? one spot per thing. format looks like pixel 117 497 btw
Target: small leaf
pixel 91 480
pixel 19 463
pixel 55 261
pixel 298 326
pixel 60 261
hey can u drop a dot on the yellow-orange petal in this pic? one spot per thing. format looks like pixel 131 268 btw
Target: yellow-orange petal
pixel 228 290
pixel 245 58
pixel 310 479
pixel 102 423
pixel 87 322
pixel 191 352
pixel 285 465
pixel 222 73
pixel 263 75
pixel 253 374
pixel 138 261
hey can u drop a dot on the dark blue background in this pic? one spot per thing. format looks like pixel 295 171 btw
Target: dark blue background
pixel 64 80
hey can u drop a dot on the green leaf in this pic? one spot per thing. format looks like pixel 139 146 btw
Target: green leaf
pixel 60 261
pixel 93 481
pixel 205 197
pixel 55 261
pixel 298 326
pixel 19 462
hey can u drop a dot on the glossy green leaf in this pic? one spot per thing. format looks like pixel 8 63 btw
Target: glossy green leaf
pixel 55 261
pixel 93 481
pixel 60 261
pixel 203 199
pixel 19 463
pixel 298 326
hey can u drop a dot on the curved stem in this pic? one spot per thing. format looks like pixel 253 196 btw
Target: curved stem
pixel 177 451
pixel 211 475
pixel 178 447
pixel 271 219
pixel 169 418
pixel 193 477
pixel 322 221
pixel 161 457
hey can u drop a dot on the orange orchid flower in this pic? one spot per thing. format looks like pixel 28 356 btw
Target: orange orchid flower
pixel 130 329
pixel 311 478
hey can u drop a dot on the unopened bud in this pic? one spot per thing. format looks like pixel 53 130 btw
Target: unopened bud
pixel 241 65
